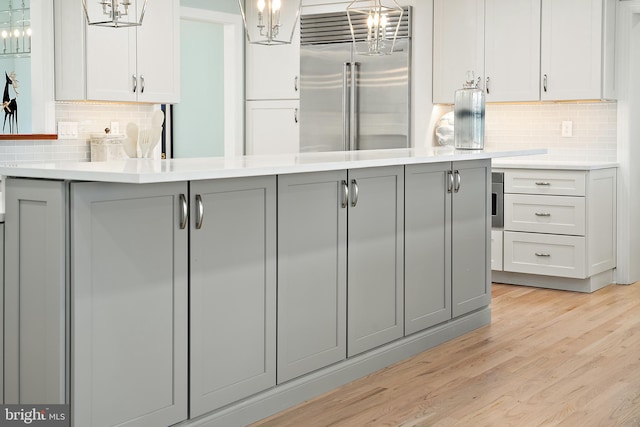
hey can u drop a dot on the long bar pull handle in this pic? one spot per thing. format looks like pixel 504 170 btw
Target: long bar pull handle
pixel 134 78
pixel 353 141
pixel 345 194
pixel 184 212
pixel 543 214
pixel 345 105
pixel 456 187
pixel 544 82
pixel 141 83
pixel 354 200
pixel 450 181
pixel 487 85
pixel 542 254
pixel 199 211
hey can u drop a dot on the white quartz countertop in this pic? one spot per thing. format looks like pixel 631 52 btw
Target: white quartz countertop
pixel 139 171
pixel 545 163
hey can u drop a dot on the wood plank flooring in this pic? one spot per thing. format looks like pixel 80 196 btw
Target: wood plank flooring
pixel 549 358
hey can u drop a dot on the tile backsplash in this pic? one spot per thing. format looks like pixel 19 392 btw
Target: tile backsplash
pixel 508 126
pixel 92 118
pixel 594 126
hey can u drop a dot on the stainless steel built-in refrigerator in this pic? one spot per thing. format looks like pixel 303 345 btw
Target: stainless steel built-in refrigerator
pixel 350 101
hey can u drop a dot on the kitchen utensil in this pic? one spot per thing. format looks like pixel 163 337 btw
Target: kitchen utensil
pixel 130 144
pixel 157 119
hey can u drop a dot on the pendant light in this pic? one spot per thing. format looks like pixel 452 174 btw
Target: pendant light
pixel 374 25
pixel 114 13
pixel 270 22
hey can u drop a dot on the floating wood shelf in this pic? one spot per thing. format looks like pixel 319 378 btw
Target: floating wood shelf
pixel 28 136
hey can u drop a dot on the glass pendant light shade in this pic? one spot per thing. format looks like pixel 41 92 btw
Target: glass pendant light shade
pixel 374 25
pixel 114 13
pixel 270 22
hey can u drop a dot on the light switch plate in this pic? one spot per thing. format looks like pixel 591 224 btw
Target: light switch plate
pixel 567 128
pixel 67 130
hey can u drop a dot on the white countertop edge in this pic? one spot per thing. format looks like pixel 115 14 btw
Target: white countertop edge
pixel 146 171
pixel 534 162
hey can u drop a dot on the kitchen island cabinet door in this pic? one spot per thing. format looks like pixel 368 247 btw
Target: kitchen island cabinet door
pixel 471 238
pixel 129 304
pixel 312 272
pixel 35 299
pixel 375 290
pixel 427 246
pixel 233 290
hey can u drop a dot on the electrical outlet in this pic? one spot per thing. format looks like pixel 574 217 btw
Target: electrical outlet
pixel 115 128
pixel 67 130
pixel 567 128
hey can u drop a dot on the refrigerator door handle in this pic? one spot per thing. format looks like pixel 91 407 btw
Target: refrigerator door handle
pixel 353 134
pixel 346 67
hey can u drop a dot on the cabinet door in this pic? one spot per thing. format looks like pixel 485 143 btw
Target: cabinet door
pixel 158 53
pixel 35 298
pixel 272 127
pixel 471 241
pixel 312 272
pixel 512 50
pixel 273 71
pixel 427 246
pixel 233 290
pixel 110 63
pixel 375 295
pixel 458 45
pixel 571 51
pixel 129 304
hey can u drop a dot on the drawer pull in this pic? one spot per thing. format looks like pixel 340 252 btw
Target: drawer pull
pixel 544 183
pixel 543 214
pixel 542 254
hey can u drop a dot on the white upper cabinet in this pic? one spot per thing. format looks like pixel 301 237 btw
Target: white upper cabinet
pixel 525 50
pixel 572 54
pixel 139 64
pixel 458 45
pixel 273 71
pixel 512 50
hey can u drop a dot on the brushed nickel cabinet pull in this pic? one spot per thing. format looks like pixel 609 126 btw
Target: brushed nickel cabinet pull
pixel 134 78
pixel 543 214
pixel 199 211
pixel 544 82
pixel 141 83
pixel 544 183
pixel 543 254
pixel 345 194
pixel 456 188
pixel 184 212
pixel 354 185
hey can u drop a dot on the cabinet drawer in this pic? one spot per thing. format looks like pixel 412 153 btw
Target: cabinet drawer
pixel 539 181
pixel 544 214
pixel 496 250
pixel 546 254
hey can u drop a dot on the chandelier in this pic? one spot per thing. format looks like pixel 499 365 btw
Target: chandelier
pixel 270 22
pixel 113 13
pixel 374 25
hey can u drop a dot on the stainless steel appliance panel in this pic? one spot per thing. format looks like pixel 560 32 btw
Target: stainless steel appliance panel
pixel 324 70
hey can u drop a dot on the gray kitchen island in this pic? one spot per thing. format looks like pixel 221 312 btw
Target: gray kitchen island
pixel 215 292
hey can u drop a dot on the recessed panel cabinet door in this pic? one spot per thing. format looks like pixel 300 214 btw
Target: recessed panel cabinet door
pixel 35 300
pixel 312 272
pixel 375 296
pixel 233 290
pixel 471 239
pixel 129 304
pixel 427 246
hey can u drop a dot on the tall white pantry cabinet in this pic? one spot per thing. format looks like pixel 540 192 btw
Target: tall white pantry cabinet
pixel 525 50
pixel 137 64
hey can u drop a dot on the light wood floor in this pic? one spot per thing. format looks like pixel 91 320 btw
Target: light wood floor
pixel 549 358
